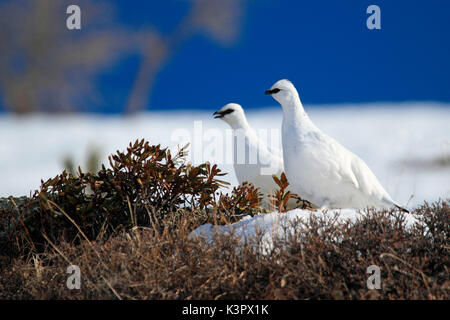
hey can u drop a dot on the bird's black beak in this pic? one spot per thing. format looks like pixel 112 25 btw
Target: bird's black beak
pixel 217 115
pixel 268 92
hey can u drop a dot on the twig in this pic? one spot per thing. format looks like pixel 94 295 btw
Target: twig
pixel 56 249
pixel 112 289
pixel 81 232
pixel 424 277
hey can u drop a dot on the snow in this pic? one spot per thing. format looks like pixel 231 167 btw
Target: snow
pixel 389 135
pixel 272 226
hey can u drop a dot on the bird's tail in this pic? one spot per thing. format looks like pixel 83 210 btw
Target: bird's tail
pixel 401 209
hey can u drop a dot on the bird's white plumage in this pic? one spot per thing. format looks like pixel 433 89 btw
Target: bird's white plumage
pixel 318 168
pixel 258 172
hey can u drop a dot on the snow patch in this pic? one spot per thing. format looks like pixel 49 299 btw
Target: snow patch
pixel 272 226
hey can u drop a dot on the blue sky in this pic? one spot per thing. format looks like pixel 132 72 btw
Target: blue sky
pixel 323 46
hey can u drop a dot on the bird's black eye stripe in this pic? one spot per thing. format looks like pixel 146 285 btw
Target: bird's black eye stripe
pixel 276 90
pixel 224 112
pixel 272 91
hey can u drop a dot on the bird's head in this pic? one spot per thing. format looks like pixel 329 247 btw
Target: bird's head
pixel 233 114
pixel 283 91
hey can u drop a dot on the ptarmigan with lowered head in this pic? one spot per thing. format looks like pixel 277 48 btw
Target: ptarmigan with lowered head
pixel 253 160
pixel 318 168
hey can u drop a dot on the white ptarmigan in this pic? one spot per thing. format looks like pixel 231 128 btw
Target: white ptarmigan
pixel 318 168
pixel 253 160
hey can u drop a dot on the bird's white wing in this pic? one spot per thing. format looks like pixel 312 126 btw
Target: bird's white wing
pixel 368 182
pixel 271 163
pixel 334 161
pixel 265 155
pixel 276 152
pixel 341 167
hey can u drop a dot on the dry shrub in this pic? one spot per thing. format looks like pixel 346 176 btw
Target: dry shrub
pixel 322 260
pixel 144 186
pixel 244 199
pixel 281 197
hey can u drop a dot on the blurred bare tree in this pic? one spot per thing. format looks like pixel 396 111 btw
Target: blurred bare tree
pixel 45 67
pixel 219 19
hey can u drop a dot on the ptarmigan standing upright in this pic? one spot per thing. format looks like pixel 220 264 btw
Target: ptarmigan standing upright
pixel 253 160
pixel 318 168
